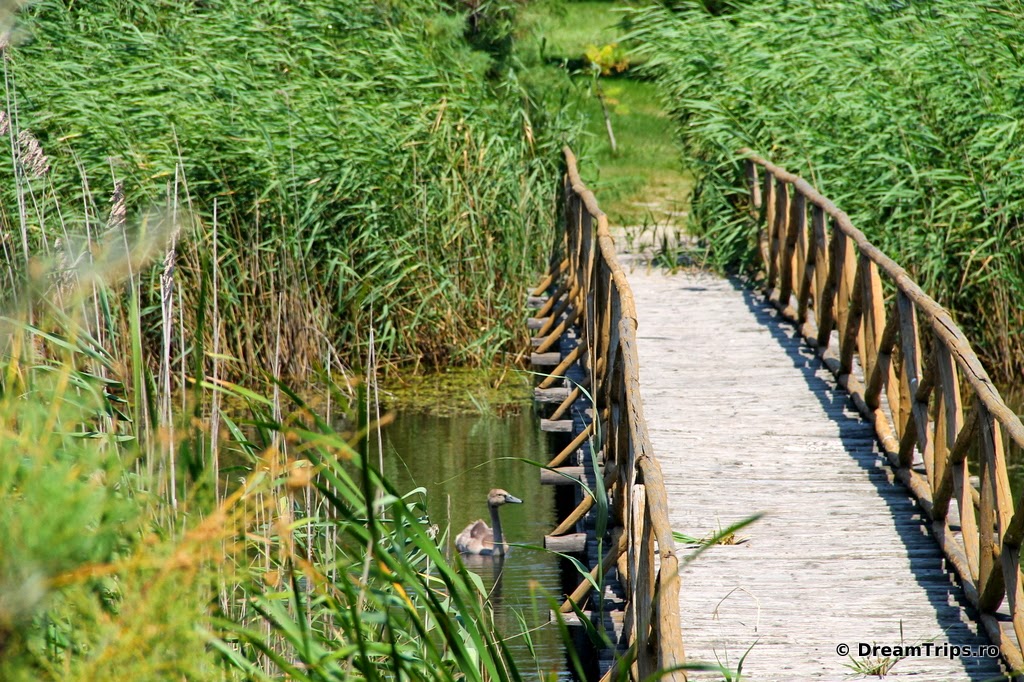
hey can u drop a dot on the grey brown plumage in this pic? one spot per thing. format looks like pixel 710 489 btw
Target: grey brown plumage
pixel 478 537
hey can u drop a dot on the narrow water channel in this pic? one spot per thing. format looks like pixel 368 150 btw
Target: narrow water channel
pixel 458 459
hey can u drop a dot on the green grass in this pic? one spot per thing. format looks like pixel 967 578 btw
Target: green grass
pixel 453 391
pixel 555 29
pixel 642 182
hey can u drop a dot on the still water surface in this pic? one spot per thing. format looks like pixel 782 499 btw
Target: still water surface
pixel 458 459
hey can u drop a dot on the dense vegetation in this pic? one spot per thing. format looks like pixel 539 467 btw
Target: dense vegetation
pixel 581 44
pixel 311 567
pixel 362 164
pixel 906 114
pixel 199 192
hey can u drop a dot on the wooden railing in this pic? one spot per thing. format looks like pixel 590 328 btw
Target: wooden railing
pixel 909 369
pixel 592 294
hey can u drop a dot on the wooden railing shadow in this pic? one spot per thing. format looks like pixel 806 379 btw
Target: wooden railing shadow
pixel 861 444
pixel 907 367
pixel 589 292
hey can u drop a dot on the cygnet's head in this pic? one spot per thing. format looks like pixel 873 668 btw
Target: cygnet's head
pixel 498 497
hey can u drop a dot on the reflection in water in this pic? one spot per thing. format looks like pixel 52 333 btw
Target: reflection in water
pixel 458 460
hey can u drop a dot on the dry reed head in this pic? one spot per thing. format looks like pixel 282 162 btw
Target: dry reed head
pixel 118 211
pixel 30 155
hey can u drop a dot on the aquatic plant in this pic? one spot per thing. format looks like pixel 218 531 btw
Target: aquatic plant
pixel 361 167
pixel 202 199
pixel 309 564
pixel 906 114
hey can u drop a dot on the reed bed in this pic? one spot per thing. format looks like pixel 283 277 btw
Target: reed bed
pixel 310 566
pixel 233 535
pixel 199 201
pixel 907 114
pixel 365 167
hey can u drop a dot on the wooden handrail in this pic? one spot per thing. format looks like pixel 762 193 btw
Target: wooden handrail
pixel 605 313
pixel 865 315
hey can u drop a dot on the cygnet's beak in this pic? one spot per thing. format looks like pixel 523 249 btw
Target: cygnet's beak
pixel 513 499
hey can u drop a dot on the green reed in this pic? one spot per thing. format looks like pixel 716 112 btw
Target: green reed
pixel 367 167
pixel 202 198
pixel 310 565
pixel 906 114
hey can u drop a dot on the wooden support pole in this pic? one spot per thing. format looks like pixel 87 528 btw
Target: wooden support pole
pixel 549 305
pixel 551 277
pixel 573 543
pixel 557 332
pixel 573 446
pixel 559 371
pixel 556 314
pixel 873 390
pixel 570 521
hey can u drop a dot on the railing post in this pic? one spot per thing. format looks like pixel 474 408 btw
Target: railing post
pixel 808 280
pixel 850 341
pixel 753 186
pixel 873 315
pixel 777 230
pixel 765 224
pixel 790 271
pixel 599 302
pixel 953 416
pixel 994 515
pixel 828 299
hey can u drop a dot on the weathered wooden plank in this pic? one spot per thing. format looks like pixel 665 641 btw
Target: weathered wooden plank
pixel 556 425
pixel 567 544
pixel 562 476
pixel 735 436
pixel 545 359
pixel 550 395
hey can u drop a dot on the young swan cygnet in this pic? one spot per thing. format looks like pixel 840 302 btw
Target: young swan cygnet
pixel 477 538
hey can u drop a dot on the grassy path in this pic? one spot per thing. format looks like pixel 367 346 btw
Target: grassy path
pixel 641 185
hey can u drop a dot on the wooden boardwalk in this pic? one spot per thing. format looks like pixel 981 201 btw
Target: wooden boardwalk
pixel 744 419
